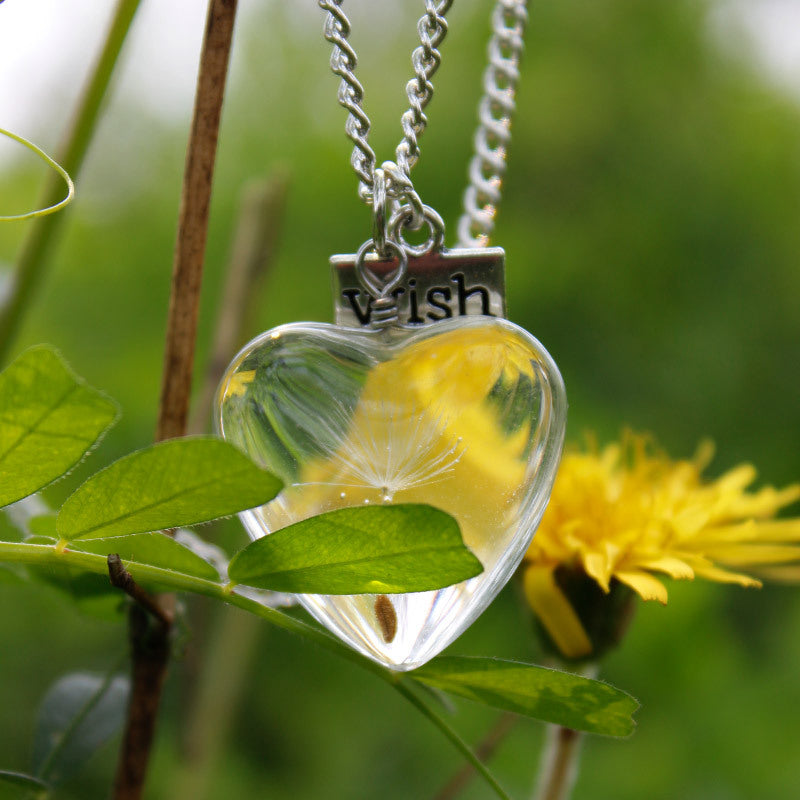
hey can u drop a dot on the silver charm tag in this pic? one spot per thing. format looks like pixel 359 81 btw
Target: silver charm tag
pixel 437 286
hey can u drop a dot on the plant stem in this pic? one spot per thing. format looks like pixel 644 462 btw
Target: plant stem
pixel 150 648
pixel 260 220
pixel 144 574
pixel 122 579
pixel 559 764
pixel 190 245
pixel 559 767
pixel 218 659
pixel 42 233
pixel 215 699
pixel 459 743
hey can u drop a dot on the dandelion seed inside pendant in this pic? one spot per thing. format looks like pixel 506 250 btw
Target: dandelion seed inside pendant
pixel 421 393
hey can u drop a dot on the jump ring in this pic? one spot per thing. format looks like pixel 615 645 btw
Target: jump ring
pixel 401 219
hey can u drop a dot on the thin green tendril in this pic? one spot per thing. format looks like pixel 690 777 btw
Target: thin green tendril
pixel 40 212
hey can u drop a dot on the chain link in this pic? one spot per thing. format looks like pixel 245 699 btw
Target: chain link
pixel 432 29
pixel 495 112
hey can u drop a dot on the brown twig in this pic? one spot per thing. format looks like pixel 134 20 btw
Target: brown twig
pixel 149 636
pixel 150 644
pixel 485 750
pixel 122 579
pixel 193 222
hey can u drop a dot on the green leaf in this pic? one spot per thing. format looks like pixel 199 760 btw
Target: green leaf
pixel 79 713
pixel 360 550
pixel 155 549
pixel 166 485
pixel 19 786
pixel 49 419
pixel 546 694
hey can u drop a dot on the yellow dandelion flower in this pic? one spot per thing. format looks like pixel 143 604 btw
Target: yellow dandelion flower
pixel 629 515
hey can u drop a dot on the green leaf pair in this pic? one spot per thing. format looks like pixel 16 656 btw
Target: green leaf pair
pixel 49 419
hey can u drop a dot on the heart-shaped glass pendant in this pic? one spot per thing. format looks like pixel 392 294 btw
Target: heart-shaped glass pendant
pixel 467 415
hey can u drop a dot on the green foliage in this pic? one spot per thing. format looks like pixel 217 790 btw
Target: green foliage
pixel 169 484
pixel 562 698
pixel 78 714
pixel 649 224
pixel 364 550
pixel 49 419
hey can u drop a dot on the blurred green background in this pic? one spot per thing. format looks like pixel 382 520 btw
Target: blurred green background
pixel 651 226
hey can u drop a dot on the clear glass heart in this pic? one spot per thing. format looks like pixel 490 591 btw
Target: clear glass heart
pixel 467 415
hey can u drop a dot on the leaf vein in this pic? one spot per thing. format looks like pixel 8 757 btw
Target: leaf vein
pixel 29 430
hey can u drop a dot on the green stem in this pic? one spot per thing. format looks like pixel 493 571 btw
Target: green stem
pixel 459 743
pixel 54 165
pixel 48 555
pixel 42 232
pixel 484 751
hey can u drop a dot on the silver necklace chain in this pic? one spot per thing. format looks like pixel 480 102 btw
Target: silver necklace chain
pixel 495 112
pixel 432 29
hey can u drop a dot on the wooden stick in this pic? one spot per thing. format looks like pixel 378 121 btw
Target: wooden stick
pixel 193 222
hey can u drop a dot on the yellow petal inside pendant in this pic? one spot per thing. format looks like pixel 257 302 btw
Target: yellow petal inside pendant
pixel 428 429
